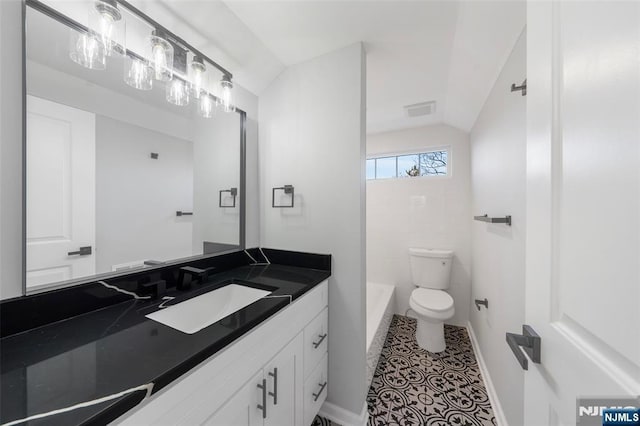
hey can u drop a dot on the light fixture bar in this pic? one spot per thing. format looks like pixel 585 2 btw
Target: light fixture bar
pixel 77 26
pixel 71 23
pixel 52 13
pixel 174 38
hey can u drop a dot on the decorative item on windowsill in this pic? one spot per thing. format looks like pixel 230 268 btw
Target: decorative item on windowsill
pixel 413 171
pixel 287 189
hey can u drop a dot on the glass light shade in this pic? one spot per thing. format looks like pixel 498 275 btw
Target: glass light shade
pixel 108 24
pixel 226 95
pixel 178 92
pixel 138 73
pixel 198 76
pixel 87 50
pixel 207 106
pixel 161 55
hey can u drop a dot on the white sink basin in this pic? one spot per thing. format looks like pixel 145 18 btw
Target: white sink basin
pixel 199 312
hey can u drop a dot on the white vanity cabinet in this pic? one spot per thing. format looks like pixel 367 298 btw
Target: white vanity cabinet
pixel 240 410
pixel 272 376
pixel 269 397
pixel 283 377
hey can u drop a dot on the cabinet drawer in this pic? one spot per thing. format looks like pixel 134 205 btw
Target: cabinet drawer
pixel 315 390
pixel 316 338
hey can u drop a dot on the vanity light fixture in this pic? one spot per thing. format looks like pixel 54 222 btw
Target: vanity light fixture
pixel 177 92
pixel 138 73
pixel 87 50
pixel 207 106
pixel 106 21
pixel 198 75
pixel 226 87
pixel 164 55
pixel 177 89
pixel 161 55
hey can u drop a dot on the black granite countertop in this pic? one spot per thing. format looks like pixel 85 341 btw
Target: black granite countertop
pixel 114 348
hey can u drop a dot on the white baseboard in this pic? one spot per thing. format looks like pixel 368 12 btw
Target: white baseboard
pixel 344 417
pixel 491 391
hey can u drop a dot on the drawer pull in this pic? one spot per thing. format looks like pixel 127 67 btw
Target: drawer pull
pixel 317 395
pixel 319 342
pixel 274 394
pixel 263 407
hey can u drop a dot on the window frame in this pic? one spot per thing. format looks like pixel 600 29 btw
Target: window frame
pixel 396 154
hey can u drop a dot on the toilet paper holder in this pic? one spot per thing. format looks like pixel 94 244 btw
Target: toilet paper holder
pixel 483 302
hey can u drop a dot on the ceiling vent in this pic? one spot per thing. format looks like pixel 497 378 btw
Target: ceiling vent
pixel 420 109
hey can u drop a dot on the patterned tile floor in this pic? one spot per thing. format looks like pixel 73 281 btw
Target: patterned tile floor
pixel 413 387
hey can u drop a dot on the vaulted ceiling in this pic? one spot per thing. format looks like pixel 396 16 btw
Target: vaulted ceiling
pixel 446 51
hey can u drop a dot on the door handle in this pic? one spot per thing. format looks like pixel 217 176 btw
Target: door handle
pixel 274 394
pixel 263 407
pixel 530 342
pixel 84 251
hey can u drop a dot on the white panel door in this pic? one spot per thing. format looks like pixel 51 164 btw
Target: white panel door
pixel 583 215
pixel 60 192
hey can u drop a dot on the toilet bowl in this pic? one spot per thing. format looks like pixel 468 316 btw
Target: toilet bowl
pixel 430 271
pixel 433 308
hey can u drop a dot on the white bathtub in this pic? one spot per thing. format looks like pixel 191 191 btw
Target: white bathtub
pixel 380 300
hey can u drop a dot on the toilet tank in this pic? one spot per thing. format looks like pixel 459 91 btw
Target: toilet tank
pixel 430 268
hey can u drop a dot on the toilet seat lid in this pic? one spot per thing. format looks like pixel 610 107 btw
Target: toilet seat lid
pixel 434 300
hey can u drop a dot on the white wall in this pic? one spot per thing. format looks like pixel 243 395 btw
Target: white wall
pixel 312 136
pixel 10 149
pixel 137 197
pixel 431 212
pixel 498 163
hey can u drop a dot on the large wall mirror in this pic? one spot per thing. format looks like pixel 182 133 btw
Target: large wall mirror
pixel 127 167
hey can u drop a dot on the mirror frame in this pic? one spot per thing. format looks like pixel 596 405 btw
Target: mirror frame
pixel 38 6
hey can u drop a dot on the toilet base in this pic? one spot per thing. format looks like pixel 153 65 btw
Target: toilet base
pixel 430 335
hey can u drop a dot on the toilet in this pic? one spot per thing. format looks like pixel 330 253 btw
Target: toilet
pixel 430 272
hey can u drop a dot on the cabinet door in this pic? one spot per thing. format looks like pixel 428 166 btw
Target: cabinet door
pixel 242 408
pixel 284 385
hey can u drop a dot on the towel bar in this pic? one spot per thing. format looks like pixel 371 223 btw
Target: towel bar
pixel 485 218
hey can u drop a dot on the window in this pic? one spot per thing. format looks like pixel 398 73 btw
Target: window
pixel 431 163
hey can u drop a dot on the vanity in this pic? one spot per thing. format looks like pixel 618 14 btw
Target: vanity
pixel 264 364
pixel 141 303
